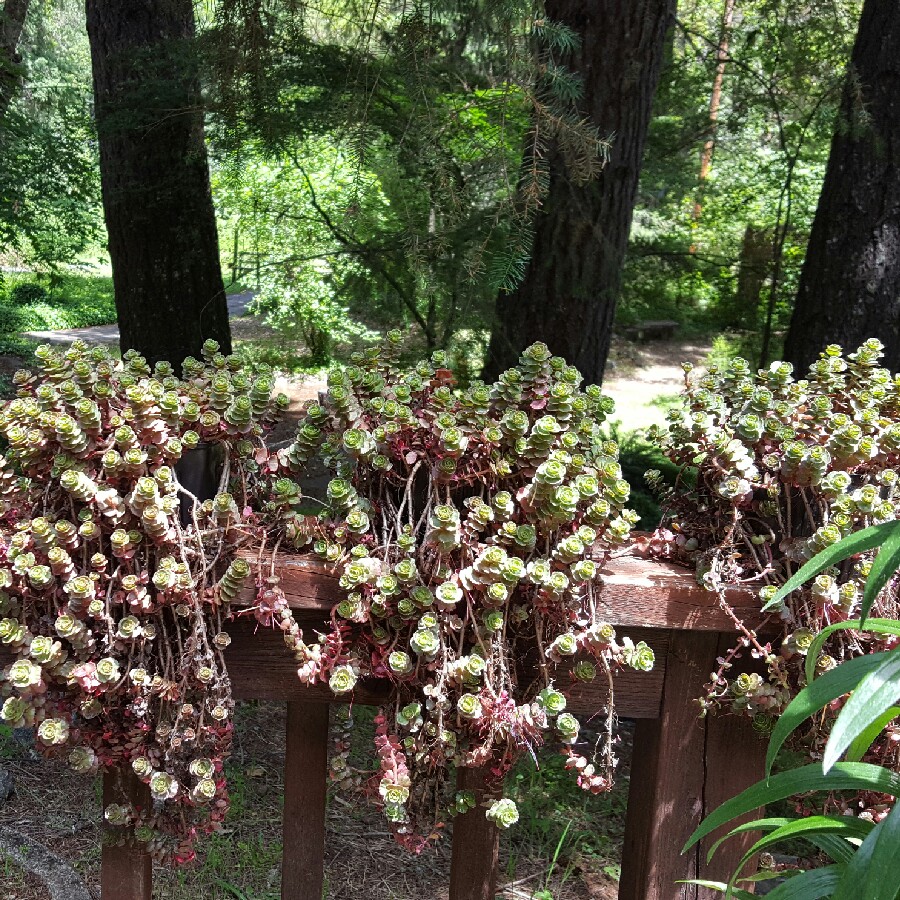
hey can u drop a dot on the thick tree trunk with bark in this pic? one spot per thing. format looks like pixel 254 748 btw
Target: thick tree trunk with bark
pixel 156 194
pixel 12 22
pixel 568 295
pixel 850 284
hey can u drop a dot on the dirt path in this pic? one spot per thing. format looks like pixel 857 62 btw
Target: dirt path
pixel 109 334
pixel 651 372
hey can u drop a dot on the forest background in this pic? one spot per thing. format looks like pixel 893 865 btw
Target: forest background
pixel 382 163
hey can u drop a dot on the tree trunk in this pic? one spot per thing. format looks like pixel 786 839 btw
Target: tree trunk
pixel 156 194
pixel 753 268
pixel 850 283
pixel 571 285
pixel 12 22
pixel 715 101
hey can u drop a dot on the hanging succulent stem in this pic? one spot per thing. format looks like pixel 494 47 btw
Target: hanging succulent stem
pixel 466 528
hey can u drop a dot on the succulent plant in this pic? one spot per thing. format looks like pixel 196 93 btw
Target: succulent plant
pixel 779 468
pixel 467 527
pixel 113 608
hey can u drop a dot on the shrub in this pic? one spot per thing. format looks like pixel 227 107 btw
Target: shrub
pixel 10 320
pixel 26 292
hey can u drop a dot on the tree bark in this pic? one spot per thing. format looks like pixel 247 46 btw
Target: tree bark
pixel 568 295
pixel 850 284
pixel 12 22
pixel 157 201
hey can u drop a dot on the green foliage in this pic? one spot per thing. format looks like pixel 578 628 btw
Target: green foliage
pixel 558 820
pixel 637 456
pixel 727 254
pixel 26 292
pixel 72 300
pixel 49 180
pixel 398 150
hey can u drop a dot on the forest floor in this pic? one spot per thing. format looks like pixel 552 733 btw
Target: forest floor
pixel 567 842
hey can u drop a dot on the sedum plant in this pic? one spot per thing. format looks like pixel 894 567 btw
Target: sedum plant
pixel 785 468
pixel 112 608
pixel 468 528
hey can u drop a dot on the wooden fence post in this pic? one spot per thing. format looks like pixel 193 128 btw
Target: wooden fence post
pixel 683 767
pixel 305 794
pixel 126 871
pixel 476 842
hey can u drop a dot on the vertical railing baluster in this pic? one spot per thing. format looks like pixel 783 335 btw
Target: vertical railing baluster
pixel 476 843
pixel 126 871
pixel 305 791
pixel 682 768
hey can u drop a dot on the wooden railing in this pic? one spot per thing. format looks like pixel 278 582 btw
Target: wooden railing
pixel 682 766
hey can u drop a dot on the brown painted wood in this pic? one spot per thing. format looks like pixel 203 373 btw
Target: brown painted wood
pixel 126 872
pixel 683 767
pixel 735 759
pixel 261 668
pixel 636 592
pixel 476 841
pixel 305 790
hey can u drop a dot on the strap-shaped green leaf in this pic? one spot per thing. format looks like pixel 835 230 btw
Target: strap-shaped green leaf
pixel 883 568
pixel 827 687
pixel 878 691
pixel 857 749
pixel 768 824
pixel 814 884
pixel 876 626
pixel 843 777
pixel 858 542
pixel 854 876
pixel 883 870
pixel 808 828
pixel 837 849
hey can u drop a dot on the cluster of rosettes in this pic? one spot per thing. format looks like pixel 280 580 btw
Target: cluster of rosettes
pixel 468 528
pixel 109 602
pixel 785 468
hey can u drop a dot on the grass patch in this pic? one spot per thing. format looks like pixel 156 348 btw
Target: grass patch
pixel 71 300
pixel 560 825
